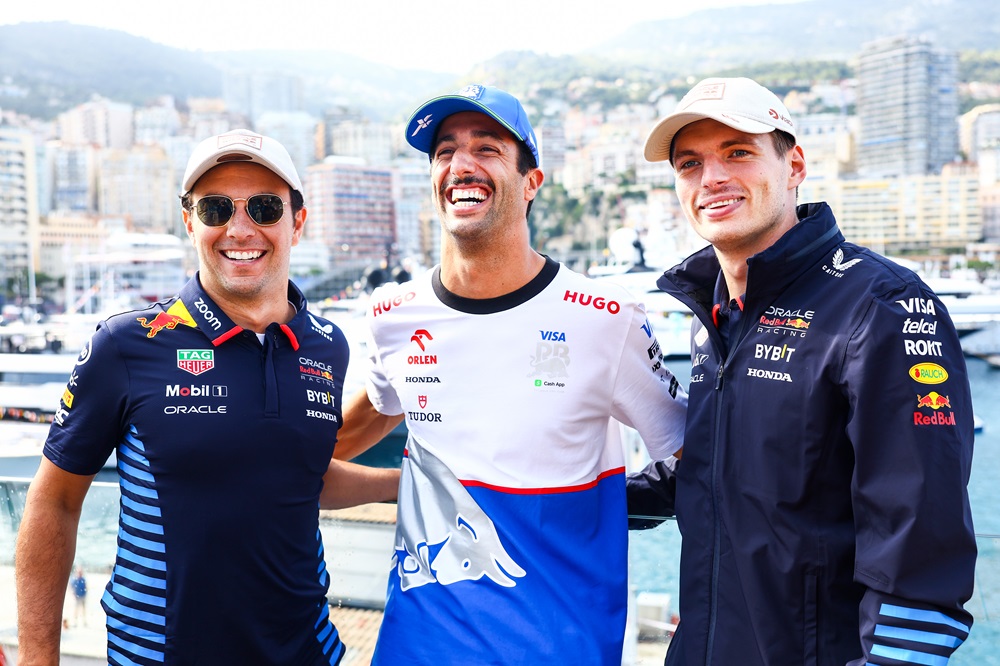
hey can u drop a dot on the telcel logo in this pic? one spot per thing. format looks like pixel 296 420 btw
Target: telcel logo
pixel 928 373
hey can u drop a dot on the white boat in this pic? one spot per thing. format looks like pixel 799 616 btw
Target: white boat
pixel 31 387
pixel 670 319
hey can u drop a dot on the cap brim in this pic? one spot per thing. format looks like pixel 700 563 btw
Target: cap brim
pixel 657 148
pixel 213 160
pixel 422 126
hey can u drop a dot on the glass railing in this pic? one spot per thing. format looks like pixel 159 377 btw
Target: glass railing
pixel 358 571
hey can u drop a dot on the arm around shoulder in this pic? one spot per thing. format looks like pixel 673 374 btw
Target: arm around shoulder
pixel 364 426
pixel 46 545
pixel 347 484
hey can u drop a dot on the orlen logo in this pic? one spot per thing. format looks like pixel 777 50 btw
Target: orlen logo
pixel 419 336
pixel 928 373
pixel 380 307
pixel 599 303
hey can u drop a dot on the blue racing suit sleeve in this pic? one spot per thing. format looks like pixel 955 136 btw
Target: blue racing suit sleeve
pixel 650 494
pixel 911 428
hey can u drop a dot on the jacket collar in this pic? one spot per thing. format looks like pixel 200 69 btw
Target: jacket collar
pixel 771 271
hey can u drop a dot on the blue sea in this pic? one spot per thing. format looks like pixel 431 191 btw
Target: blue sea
pixel 654 553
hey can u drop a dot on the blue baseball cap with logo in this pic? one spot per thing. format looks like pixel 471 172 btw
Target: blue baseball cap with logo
pixel 503 107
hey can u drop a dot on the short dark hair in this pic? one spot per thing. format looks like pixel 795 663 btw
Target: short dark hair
pixel 297 201
pixel 783 142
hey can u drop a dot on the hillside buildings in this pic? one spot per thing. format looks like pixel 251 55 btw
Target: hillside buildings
pixel 886 150
pixel 907 105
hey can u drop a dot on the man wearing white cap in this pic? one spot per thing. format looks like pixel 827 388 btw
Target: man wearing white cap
pixel 511 538
pixel 222 404
pixel 822 497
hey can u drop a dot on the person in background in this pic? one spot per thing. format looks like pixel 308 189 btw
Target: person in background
pixel 822 498
pixel 223 405
pixel 79 586
pixel 511 539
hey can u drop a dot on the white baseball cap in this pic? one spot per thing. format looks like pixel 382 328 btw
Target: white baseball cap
pixel 240 145
pixel 740 103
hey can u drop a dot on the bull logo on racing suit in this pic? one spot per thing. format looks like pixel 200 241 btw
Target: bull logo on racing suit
pixel 161 321
pixel 442 535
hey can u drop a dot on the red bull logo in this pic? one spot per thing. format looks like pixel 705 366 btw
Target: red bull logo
pixel 935 419
pixel 797 323
pixel 161 321
pixel 934 400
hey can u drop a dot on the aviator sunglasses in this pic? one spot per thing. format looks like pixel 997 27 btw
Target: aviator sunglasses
pixel 215 210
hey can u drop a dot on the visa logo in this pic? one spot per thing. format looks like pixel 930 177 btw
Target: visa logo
pixel 918 306
pixel 553 336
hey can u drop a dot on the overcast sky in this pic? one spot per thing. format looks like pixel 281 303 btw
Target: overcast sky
pixel 411 34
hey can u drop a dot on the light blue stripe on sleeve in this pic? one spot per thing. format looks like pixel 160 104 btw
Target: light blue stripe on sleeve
pixel 125 611
pixel 143 525
pixel 910 656
pixel 137 650
pixel 135 472
pixel 120 658
pixel 936 617
pixel 134 595
pixel 139 507
pixel 137 489
pixel 144 634
pixel 915 636
pixel 149 563
pixel 142 579
pixel 132 454
pixel 141 543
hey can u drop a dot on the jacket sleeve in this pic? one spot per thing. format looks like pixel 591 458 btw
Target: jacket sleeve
pixel 650 494
pixel 911 428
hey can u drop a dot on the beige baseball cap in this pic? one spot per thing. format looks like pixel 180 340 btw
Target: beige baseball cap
pixel 740 103
pixel 240 145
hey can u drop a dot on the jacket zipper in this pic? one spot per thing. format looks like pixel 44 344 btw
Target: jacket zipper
pixel 717 532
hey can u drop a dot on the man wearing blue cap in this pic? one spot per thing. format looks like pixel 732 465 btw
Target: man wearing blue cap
pixel 511 539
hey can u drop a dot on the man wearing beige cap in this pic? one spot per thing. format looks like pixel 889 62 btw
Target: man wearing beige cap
pixel 822 494
pixel 222 404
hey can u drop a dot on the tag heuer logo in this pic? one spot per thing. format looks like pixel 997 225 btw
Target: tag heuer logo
pixel 195 361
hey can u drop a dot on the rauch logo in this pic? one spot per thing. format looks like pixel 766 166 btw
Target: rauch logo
pixel 928 373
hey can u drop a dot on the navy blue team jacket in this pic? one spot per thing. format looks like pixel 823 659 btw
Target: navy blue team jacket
pixel 222 443
pixel 822 494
